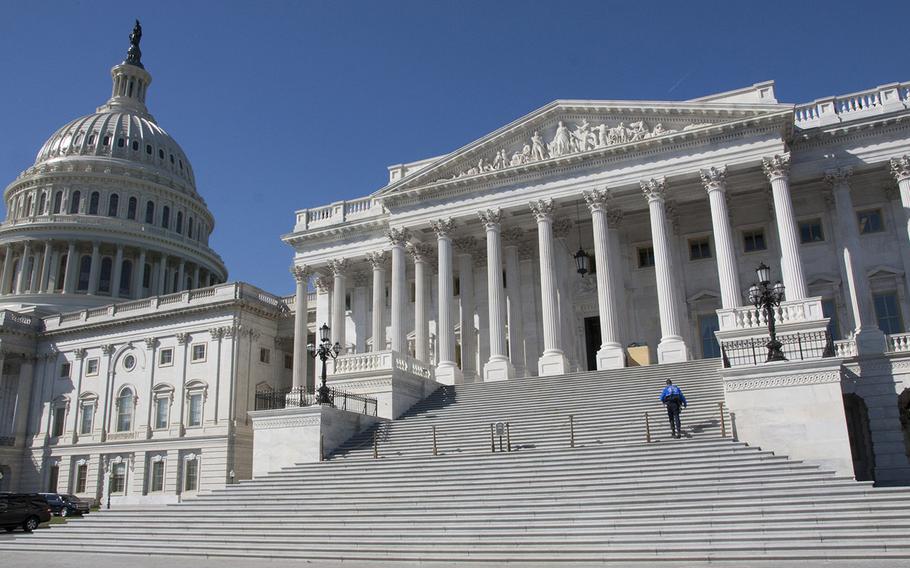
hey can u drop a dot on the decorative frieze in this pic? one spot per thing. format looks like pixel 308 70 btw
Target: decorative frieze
pixel 802 379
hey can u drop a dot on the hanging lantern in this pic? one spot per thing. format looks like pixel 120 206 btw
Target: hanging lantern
pixel 581 262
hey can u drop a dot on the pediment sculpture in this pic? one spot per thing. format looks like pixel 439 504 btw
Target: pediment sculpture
pixel 568 139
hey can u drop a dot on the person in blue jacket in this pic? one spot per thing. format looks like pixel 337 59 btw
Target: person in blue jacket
pixel 673 398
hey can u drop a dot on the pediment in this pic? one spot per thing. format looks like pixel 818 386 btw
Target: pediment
pixel 570 131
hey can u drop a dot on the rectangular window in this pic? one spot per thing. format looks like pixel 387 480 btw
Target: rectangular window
pixel 870 221
pixel 59 421
pixel 645 257
pixel 165 357
pixel 196 409
pixel 65 371
pixel 888 313
pixel 699 249
pixel 191 480
pixel 81 476
pixel 830 311
pixel 811 231
pixel 157 482
pixel 198 352
pixel 289 362
pixel 91 367
pixel 754 240
pixel 161 408
pixel 54 477
pixel 265 355
pixel 88 416
pixel 118 478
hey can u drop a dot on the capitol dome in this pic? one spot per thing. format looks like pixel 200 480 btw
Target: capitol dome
pixel 109 210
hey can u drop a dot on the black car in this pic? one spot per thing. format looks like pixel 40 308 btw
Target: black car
pixel 75 505
pixel 26 510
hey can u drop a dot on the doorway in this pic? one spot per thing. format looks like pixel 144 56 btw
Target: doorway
pixel 860 437
pixel 592 341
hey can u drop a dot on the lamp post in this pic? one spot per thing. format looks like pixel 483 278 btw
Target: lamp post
pixel 324 352
pixel 766 297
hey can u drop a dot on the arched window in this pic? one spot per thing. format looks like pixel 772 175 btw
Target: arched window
pixel 61 270
pixel 126 277
pixel 58 201
pixel 125 410
pixel 28 206
pixel 160 154
pixel 106 140
pixel 74 202
pixel 85 269
pixel 42 202
pixel 131 208
pixel 93 202
pixel 176 281
pixel 120 142
pixel 166 217
pixel 113 205
pixel 147 276
pixel 149 212
pixel 189 227
pixel 148 149
pixel 104 281
pixel 135 145
pixel 180 221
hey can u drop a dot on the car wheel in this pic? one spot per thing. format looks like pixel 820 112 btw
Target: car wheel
pixel 30 524
pixel 64 512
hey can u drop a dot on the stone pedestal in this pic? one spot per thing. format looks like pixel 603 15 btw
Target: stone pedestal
pixel 793 408
pixel 282 438
pixel 554 363
pixel 611 357
pixel 498 368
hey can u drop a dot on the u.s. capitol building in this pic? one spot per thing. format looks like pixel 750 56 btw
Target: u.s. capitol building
pixel 588 234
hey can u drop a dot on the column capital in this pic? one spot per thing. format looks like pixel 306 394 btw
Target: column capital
pixel 420 252
pixel 654 189
pixel 465 245
pixel 79 353
pixel 513 236
pixel 597 199
pixel 150 343
pixel 108 349
pixel 542 209
pixel 217 333
pixel 322 283
pixel 614 217
pixel 900 168
pixel 561 227
pixel 183 338
pixel 491 218
pixel 360 279
pixel 376 259
pixel 714 179
pixel 443 227
pixel 339 266
pixel 301 272
pixel 838 176
pixel 777 166
pixel 398 236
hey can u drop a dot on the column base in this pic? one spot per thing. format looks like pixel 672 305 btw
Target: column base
pixel 672 349
pixel 869 341
pixel 448 373
pixel 552 363
pixel 498 369
pixel 611 357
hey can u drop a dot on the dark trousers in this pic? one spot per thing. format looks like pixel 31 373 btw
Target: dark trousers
pixel 673 414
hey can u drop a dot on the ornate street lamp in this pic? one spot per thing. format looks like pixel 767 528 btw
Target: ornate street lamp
pixel 766 297
pixel 581 257
pixel 324 352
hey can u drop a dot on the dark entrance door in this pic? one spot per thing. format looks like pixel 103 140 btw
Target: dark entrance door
pixel 592 341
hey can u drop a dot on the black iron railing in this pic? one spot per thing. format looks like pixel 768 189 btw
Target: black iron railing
pixel 299 397
pixel 795 346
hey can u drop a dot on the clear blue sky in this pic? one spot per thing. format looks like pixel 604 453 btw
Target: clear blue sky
pixel 284 105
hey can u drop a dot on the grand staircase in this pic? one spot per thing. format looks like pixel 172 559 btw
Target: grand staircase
pixel 586 489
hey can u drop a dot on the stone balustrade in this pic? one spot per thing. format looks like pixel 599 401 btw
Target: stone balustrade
pixel 380 361
pixel 899 343
pixel 832 110
pixel 338 213
pixel 789 312
pixel 845 348
pixel 181 300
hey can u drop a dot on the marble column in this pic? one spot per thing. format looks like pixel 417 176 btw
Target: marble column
pixel 466 246
pixel 69 274
pixel 95 272
pixel 41 285
pixel 139 277
pixel 7 267
pixel 301 358
pixel 54 277
pixel 447 371
pixel 777 168
pixel 162 275
pixel 499 367
pixel 181 277
pixel 117 272
pixel 35 273
pixel 672 348
pixel 398 237
pixel 715 182
pixel 419 253
pixel 378 261
pixel 323 284
pixel 869 338
pixel 553 360
pixel 339 268
pixel 513 237
pixel 611 354
pixel 195 276
pixel 22 280
pixel 900 168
